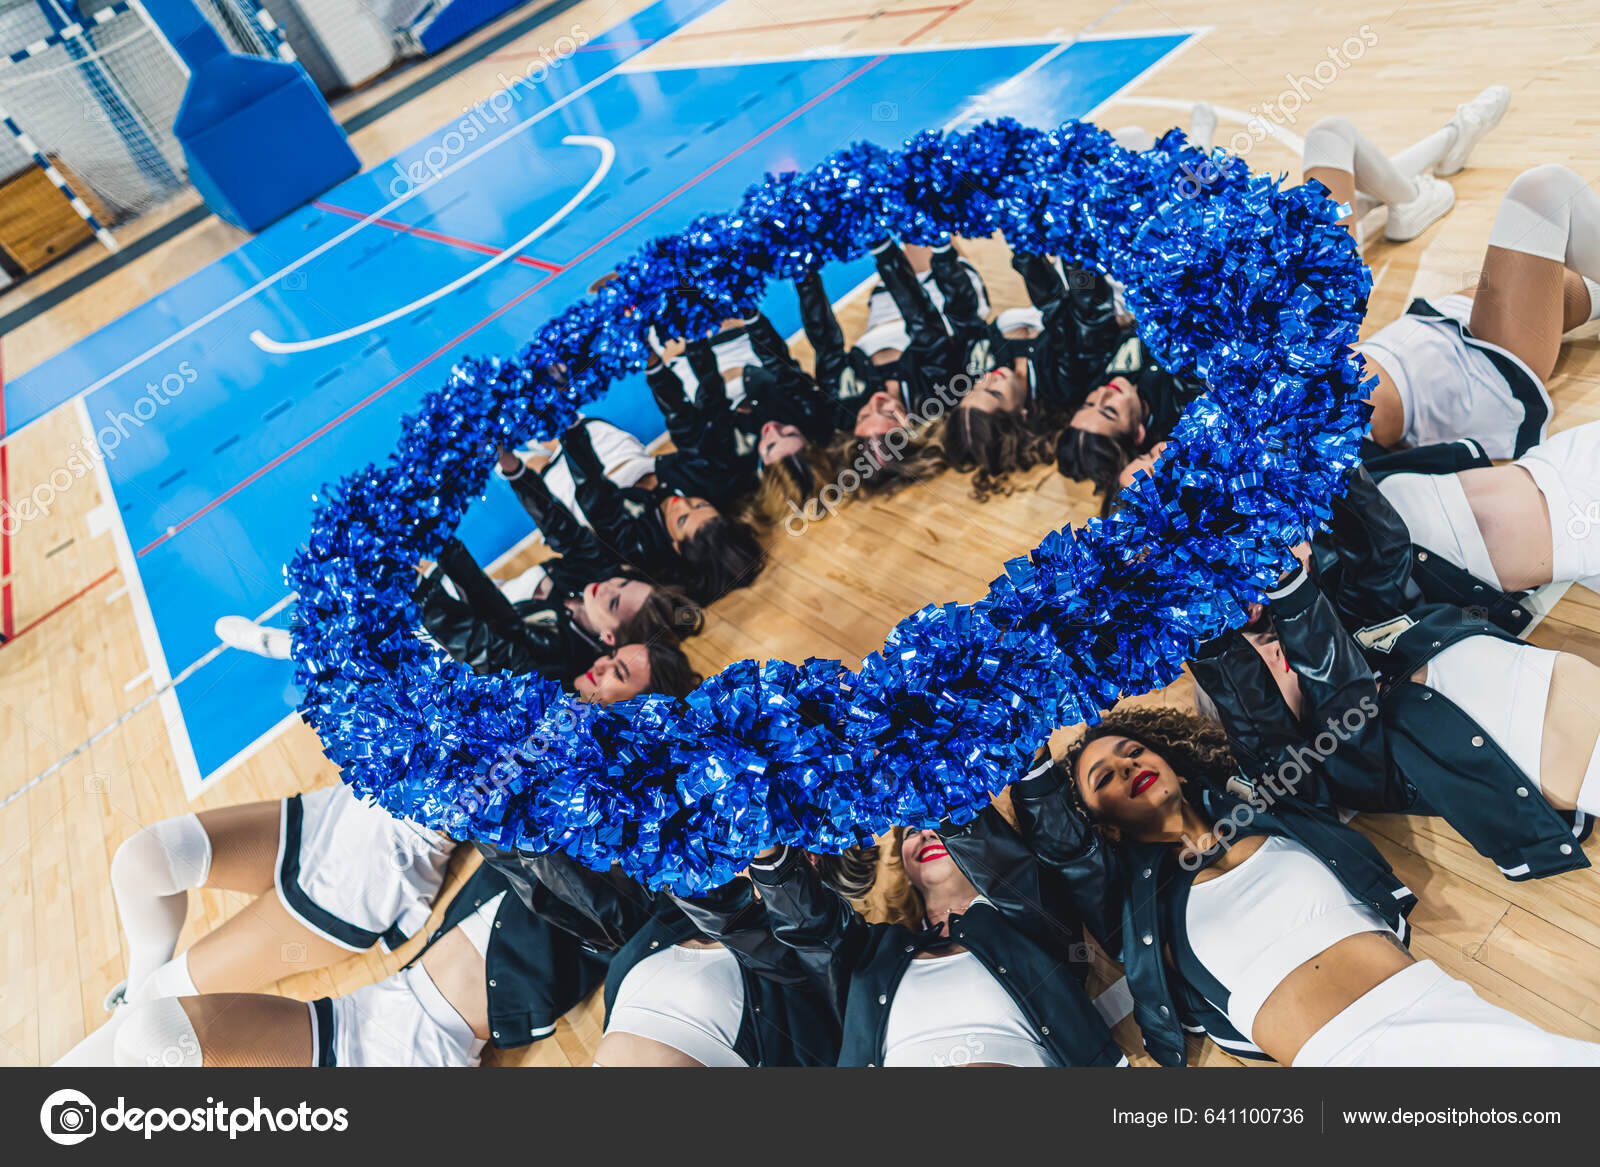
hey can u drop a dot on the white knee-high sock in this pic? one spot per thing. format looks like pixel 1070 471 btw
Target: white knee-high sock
pixel 159 1034
pixel 1588 799
pixel 1421 157
pixel 151 875
pixel 170 980
pixel 1336 144
pixel 1553 213
pixel 99 1047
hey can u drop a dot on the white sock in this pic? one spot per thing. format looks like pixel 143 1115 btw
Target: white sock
pixel 1336 144
pixel 1551 212
pixel 1594 298
pixel 158 1034
pixel 99 1047
pixel 150 877
pixel 170 980
pixel 1421 157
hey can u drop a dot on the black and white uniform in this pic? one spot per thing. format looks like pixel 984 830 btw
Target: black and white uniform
pixel 352 872
pixel 882 309
pixel 1248 928
pixel 1453 385
pixel 621 454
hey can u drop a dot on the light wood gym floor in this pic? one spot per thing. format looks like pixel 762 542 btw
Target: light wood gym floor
pixel 77 666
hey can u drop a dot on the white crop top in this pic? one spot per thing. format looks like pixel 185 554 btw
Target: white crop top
pixel 689 998
pixel 1255 924
pixel 950 1011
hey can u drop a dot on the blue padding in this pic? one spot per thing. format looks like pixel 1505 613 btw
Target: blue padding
pixel 259 139
pixel 457 18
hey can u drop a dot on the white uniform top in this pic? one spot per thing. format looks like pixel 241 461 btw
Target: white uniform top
pixel 1255 924
pixel 950 1011
pixel 689 998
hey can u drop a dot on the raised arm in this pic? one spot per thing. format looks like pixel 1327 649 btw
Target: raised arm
pixel 822 330
pixel 923 322
pixel 1064 842
pixel 561 529
pixel 734 916
pixel 961 304
pixel 604 909
pixel 811 918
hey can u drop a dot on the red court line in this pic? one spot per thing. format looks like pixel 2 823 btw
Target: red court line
pixel 451 343
pixel 859 17
pixel 73 598
pixel 435 236
pixel 8 623
pixel 937 20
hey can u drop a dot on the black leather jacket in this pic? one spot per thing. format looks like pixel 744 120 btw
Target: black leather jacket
pixel 1035 955
pixel 489 633
pixel 786 1020
pixel 1372 739
pixel 1165 395
pixel 1078 337
pixel 941 342
pixel 1128 895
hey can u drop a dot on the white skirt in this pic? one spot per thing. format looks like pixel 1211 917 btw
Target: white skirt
pixel 1452 388
pixel 1566 469
pixel 622 455
pixel 402 1020
pixel 1422 1016
pixel 353 873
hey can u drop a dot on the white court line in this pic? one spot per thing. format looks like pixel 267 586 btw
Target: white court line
pixel 143 618
pixel 608 155
pixel 1290 139
pixel 839 52
pixel 256 288
pixel 136 682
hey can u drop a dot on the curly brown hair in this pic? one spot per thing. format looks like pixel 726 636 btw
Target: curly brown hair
pixel 1195 747
pixel 995 445
pixel 851 874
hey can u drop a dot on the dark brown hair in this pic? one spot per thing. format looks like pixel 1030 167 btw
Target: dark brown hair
pixel 670 671
pixel 995 445
pixel 722 555
pixel 1096 458
pixel 667 613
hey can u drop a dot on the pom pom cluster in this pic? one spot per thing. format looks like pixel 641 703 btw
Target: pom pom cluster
pixel 1252 287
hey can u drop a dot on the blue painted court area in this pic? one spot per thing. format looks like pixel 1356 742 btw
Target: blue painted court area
pixel 216 485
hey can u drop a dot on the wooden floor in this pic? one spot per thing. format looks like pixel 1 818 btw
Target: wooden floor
pixel 78 667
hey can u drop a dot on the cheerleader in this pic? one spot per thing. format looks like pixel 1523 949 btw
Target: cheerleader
pixel 985 980
pixel 695 981
pixel 1038 369
pixel 334 854
pixel 648 524
pixel 1268 925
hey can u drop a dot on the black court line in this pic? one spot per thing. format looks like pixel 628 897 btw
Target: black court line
pixel 170 479
pixel 225 445
pixel 92 275
pixel 276 410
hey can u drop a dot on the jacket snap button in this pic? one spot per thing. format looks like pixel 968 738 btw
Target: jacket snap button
pixel 1427 694
pixel 1516 611
pixel 497 923
pixel 1436 643
pixel 1566 848
pixel 1149 939
pixel 872 1065
pixel 911 947
pixel 1477 739
pixel 758 1008
pixel 494 1033
pixel 883 999
pixel 1044 1031
pixel 1165 1012
pixel 1522 792
pixel 1147 873
pixel 1333 863
pixel 1422 557
pixel 655 944
pixel 1002 970
pixel 1477 587
pixel 491 984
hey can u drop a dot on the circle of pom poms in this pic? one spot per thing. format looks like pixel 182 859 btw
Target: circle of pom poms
pixel 1253 288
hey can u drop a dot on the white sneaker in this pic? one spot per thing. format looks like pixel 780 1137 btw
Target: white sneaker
pixel 117 997
pixel 1135 138
pixel 1202 126
pixel 1473 120
pixel 247 635
pixel 1434 199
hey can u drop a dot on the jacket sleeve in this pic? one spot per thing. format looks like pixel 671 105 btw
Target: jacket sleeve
pixel 770 347
pixel 1337 683
pixel 667 389
pixel 1005 871
pixel 481 593
pixel 733 915
pixel 1063 841
pixel 560 527
pixel 813 919
pixel 596 494
pixel 961 304
pixel 823 331
pixel 1373 548
pixel 923 322
pixel 602 908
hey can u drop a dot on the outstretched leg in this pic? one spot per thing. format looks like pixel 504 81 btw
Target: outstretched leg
pixel 222 1029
